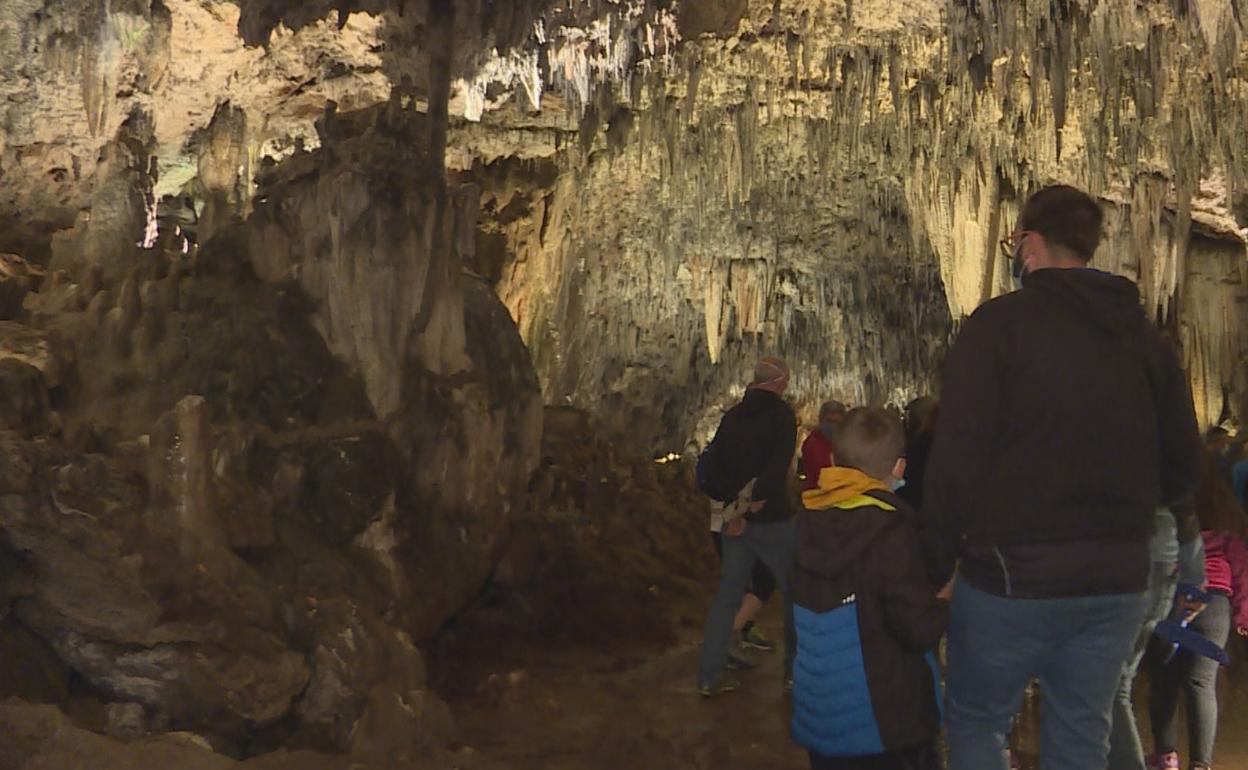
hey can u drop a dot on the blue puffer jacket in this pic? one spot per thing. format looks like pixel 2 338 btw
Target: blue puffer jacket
pixel 832 711
pixel 864 679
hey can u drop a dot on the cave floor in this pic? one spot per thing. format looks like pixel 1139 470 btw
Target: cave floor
pixel 626 708
pixel 634 706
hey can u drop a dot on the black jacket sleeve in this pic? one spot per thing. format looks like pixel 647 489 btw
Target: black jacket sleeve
pixel 913 614
pixel 1181 449
pixel 781 442
pixel 962 446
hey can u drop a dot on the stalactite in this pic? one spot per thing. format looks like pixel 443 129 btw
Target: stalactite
pixel 960 121
pixel 223 174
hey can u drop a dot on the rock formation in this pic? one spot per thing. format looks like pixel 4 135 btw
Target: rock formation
pixel 917 127
pixel 233 498
pixel 739 151
pixel 285 284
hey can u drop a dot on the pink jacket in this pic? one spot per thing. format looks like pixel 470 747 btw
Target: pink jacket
pixel 1226 569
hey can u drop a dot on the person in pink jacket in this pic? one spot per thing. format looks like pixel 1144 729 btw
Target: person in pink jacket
pixel 1223 526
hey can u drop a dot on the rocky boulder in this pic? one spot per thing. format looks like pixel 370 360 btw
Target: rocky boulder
pixel 361 668
pixel 197 641
pixel 278 460
pixel 378 248
pixel 347 480
pixel 23 397
pixel 42 738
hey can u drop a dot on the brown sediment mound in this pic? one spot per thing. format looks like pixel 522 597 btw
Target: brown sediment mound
pixel 611 552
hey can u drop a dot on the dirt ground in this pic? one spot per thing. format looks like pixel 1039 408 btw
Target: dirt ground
pixel 583 651
pixel 633 705
pixel 625 706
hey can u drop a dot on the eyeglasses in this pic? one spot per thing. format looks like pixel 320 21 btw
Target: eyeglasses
pixel 1010 242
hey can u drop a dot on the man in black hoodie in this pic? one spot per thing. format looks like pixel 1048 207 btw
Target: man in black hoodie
pixel 755 440
pixel 1066 421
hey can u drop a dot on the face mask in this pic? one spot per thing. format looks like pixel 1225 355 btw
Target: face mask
pixel 828 429
pixel 896 484
pixel 1016 265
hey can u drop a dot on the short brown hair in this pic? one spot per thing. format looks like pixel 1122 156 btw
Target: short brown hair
pixel 1065 216
pixel 830 408
pixel 869 439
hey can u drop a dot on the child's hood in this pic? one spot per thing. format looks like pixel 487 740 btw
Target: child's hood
pixel 834 537
pixel 836 486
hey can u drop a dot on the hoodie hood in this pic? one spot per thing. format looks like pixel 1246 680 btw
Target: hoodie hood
pixel 844 515
pixel 838 485
pixel 758 400
pixel 1109 301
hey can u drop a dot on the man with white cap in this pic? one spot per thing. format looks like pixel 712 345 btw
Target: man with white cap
pixel 752 449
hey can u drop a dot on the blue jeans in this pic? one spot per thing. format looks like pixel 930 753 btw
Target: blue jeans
pixel 1125 750
pixel 773 544
pixel 1075 647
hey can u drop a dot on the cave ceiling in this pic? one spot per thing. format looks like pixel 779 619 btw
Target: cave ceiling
pixel 670 187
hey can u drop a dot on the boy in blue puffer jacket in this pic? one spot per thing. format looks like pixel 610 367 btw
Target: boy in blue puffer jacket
pixel 865 683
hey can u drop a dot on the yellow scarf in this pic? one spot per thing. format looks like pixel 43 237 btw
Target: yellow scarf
pixel 837 485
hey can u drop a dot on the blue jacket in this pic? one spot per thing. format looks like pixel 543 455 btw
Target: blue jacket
pixel 864 679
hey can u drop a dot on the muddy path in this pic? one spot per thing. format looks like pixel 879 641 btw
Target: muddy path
pixel 633 705
pixel 625 706
pixel 583 652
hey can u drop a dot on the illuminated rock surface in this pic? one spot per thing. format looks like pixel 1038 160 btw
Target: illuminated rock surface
pixel 284 286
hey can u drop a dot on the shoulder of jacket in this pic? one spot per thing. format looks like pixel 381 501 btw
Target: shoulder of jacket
pixel 989 321
pixel 1002 307
pixel 902 525
pixel 782 407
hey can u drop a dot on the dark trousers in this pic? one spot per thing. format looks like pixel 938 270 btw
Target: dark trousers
pixel 918 758
pixel 772 544
pixel 762 582
pixel 1197 677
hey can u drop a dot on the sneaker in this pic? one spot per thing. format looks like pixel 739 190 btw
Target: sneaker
pixel 1167 761
pixel 725 684
pixel 739 662
pixel 752 637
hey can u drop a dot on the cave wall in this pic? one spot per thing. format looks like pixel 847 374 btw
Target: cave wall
pixel 661 298
pixel 271 386
pixel 935 115
pixel 376 244
pixel 258 449
pixel 764 138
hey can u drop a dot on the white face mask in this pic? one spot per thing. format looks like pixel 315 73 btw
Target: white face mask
pixel 896 484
